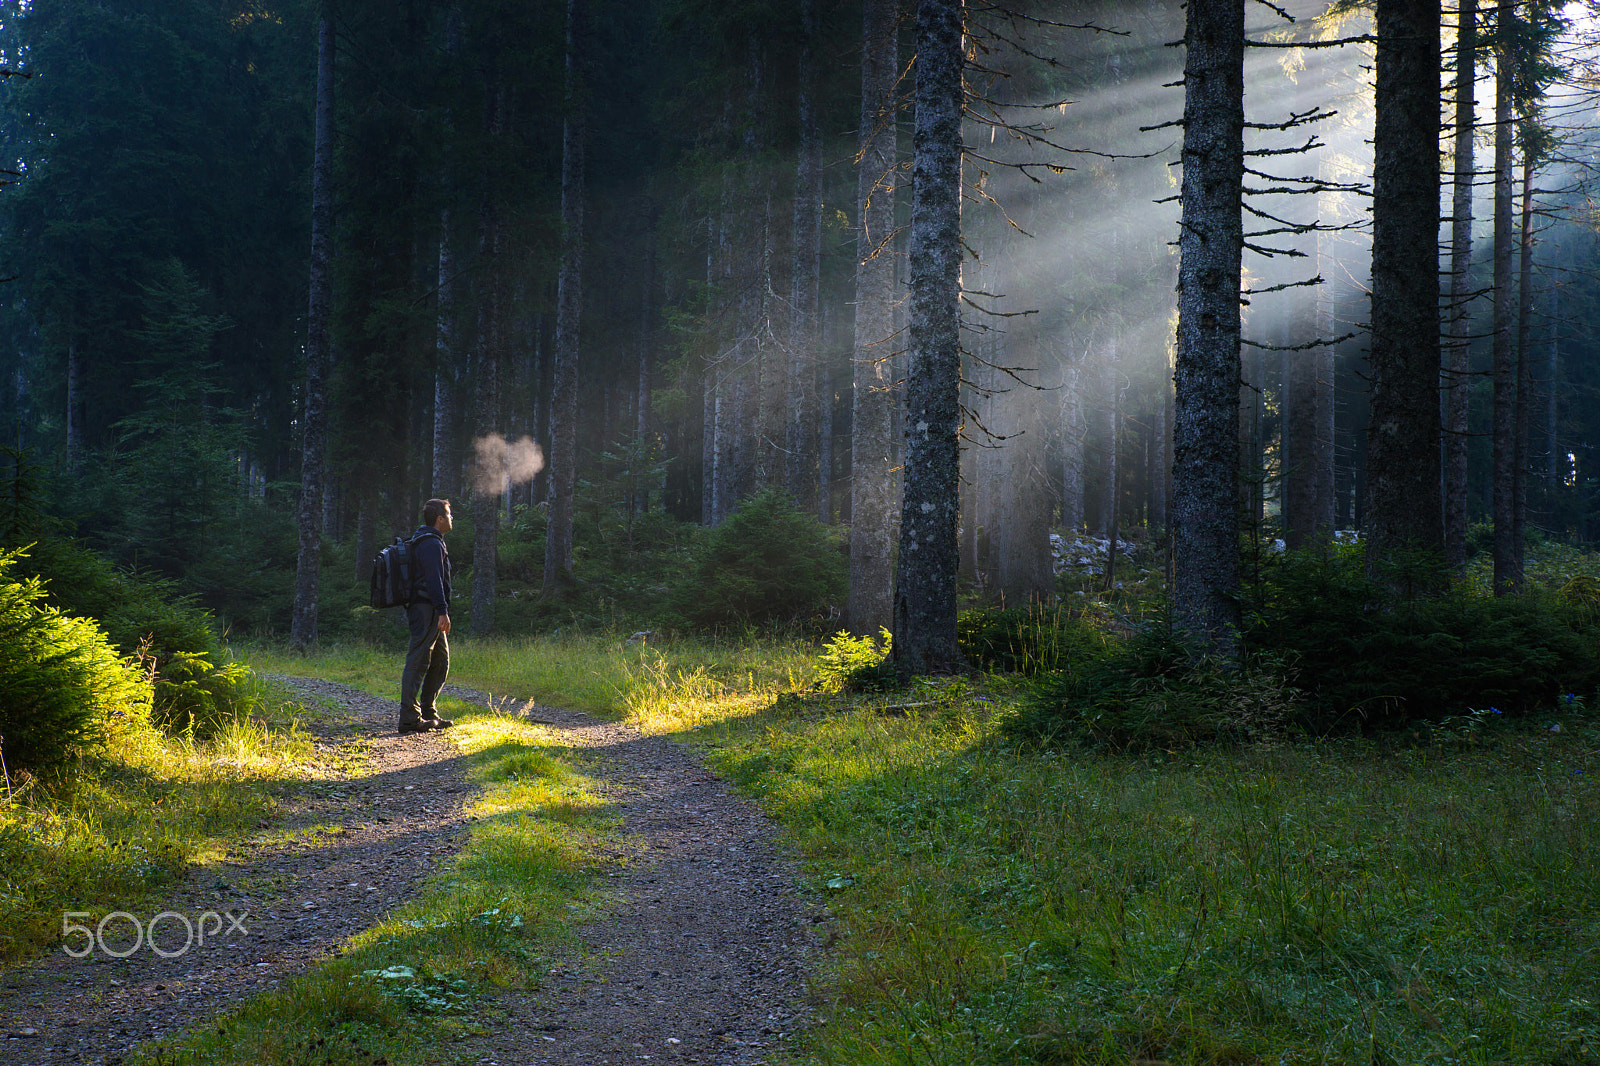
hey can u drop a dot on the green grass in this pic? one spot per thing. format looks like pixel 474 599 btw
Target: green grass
pixel 1353 901
pixel 1330 903
pixel 124 824
pixel 409 987
pixel 660 687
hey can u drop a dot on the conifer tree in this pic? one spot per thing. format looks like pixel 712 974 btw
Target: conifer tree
pixel 872 516
pixel 1457 352
pixel 1403 518
pixel 303 631
pixel 1205 479
pixel 564 398
pixel 800 423
pixel 925 592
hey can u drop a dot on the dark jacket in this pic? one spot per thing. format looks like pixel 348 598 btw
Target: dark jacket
pixel 433 563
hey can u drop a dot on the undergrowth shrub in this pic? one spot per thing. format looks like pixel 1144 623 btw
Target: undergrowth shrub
pixel 1365 658
pixel 197 697
pixel 1149 691
pixel 136 609
pixel 64 690
pixel 145 618
pixel 769 562
pixel 1026 640
pixel 856 664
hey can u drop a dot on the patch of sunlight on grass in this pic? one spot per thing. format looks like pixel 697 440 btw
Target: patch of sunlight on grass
pixel 670 686
pixel 127 823
pixel 367 668
pixel 492 919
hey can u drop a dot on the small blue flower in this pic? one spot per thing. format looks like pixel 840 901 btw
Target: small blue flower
pixel 1494 710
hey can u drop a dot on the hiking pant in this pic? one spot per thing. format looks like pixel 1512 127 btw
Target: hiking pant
pixel 427 663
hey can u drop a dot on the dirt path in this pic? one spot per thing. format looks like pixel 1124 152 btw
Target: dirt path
pixel 701 963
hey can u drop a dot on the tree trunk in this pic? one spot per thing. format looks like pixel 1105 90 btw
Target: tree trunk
pixel 446 370
pixel 1521 464
pixel 1554 461
pixel 1298 453
pixel 800 429
pixel 487 485
pixel 1503 428
pixel 366 538
pixel 925 586
pixel 1326 318
pixel 1403 516
pixel 1074 429
pixel 1252 438
pixel 1022 541
pixel 985 489
pixel 1111 408
pixel 827 391
pixel 303 624
pixel 1160 462
pixel 1205 469
pixel 1458 345
pixel 74 400
pixel 564 391
pixel 871 602
pixel 711 379
pixel 444 482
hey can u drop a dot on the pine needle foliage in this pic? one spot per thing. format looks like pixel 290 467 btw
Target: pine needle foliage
pixel 769 562
pixel 195 688
pixel 849 663
pixel 66 690
pixel 1367 659
pixel 1150 691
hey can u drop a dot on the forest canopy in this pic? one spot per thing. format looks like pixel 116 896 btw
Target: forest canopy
pixel 669 245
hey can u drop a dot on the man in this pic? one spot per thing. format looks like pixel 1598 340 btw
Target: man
pixel 428 613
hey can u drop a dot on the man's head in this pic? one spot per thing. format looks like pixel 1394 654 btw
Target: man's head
pixel 436 513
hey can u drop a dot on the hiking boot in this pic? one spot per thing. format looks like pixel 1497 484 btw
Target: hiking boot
pixel 433 721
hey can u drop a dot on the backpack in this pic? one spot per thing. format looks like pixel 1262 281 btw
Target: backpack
pixel 393 577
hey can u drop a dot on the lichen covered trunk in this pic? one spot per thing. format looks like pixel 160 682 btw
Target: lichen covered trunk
pixel 1205 469
pixel 1404 520
pixel 314 415
pixel 925 580
pixel 872 511
pixel 569 297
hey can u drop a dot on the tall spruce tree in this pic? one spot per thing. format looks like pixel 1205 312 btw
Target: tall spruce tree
pixel 569 292
pixel 1205 475
pixel 925 577
pixel 800 422
pixel 1507 562
pixel 1403 517
pixel 303 629
pixel 1457 351
pixel 872 513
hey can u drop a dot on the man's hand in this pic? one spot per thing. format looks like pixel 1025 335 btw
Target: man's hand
pixel 444 623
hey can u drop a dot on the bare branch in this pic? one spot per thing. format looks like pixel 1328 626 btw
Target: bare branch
pixel 1322 343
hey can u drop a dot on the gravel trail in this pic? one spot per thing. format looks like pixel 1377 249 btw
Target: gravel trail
pixel 702 961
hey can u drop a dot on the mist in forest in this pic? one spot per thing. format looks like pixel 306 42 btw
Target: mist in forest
pixel 498 462
pixel 1071 285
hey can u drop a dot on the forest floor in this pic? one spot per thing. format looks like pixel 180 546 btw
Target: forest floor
pixel 701 959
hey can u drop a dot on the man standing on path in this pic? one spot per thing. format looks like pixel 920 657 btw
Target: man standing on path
pixel 428 613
